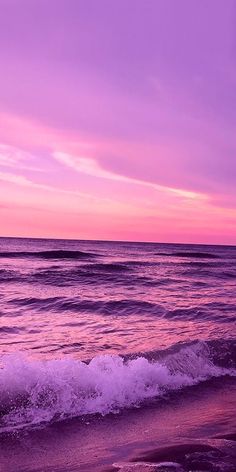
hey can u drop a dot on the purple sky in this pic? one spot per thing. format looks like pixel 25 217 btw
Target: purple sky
pixel 121 110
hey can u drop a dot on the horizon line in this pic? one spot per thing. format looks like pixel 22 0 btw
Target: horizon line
pixel 115 241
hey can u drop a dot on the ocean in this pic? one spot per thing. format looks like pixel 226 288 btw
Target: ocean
pixel 117 356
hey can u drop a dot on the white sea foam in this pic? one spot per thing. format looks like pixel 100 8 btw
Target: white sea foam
pixel 32 392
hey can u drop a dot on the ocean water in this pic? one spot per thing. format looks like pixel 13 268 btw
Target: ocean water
pixel 91 329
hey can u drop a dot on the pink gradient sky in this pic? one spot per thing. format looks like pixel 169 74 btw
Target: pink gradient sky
pixel 118 119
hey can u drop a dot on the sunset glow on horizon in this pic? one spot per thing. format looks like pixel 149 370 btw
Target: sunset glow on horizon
pixel 117 120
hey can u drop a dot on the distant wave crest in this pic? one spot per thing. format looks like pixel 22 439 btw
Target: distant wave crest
pixel 53 254
pixel 190 254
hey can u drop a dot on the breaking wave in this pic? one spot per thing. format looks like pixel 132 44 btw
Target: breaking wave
pixel 35 392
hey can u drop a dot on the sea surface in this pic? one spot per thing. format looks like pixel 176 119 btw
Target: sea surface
pixel 93 333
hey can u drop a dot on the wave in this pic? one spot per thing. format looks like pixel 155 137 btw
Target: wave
pixel 141 263
pixel 53 254
pixel 219 312
pixel 34 392
pixel 195 255
pixel 111 307
pixel 112 267
pixel 90 274
pixel 10 329
pixel 214 311
pixel 228 275
pixel 86 274
pixel 208 273
pixel 9 276
pixel 204 264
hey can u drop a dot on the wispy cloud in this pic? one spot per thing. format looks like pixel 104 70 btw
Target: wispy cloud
pixel 22 180
pixel 16 179
pixel 91 167
pixel 72 198
pixel 18 159
pixel 11 156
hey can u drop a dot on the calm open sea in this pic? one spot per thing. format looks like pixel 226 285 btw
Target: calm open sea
pixel 94 328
